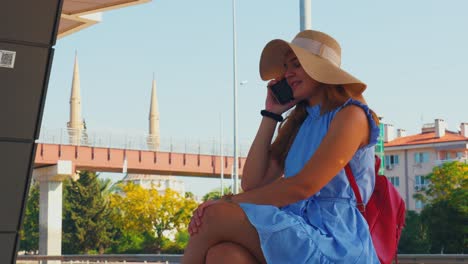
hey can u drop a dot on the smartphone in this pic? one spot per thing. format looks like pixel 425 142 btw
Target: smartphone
pixel 282 92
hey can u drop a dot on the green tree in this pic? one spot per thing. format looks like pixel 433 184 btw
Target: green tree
pixel 190 195
pixel 216 194
pixel 446 228
pixel 147 212
pixel 86 225
pixel 177 246
pixel 448 182
pixel 129 242
pixel 444 216
pixel 414 236
pixel 29 234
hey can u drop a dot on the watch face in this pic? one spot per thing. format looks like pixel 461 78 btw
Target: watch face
pixel 282 92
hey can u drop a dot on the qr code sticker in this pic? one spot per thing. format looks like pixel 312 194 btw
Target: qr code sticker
pixel 7 58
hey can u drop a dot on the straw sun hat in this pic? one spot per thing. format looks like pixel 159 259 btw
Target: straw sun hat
pixel 320 57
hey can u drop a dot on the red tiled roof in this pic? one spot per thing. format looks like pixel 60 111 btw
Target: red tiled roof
pixel 426 138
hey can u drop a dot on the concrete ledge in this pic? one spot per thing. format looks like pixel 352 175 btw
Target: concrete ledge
pixel 402 258
pixel 58 172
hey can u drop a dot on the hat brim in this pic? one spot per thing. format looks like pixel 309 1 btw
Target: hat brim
pixel 320 69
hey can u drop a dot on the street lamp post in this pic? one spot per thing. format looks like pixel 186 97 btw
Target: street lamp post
pixel 242 83
pixel 236 154
pixel 221 153
pixel 305 8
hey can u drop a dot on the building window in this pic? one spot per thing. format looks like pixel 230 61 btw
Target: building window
pixel 392 159
pixel 395 180
pixel 420 182
pixel 460 155
pixel 447 155
pixel 419 204
pixel 421 157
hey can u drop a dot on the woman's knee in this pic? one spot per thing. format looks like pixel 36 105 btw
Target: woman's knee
pixel 228 252
pixel 217 213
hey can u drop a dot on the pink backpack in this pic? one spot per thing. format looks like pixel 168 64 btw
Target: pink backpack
pixel 385 214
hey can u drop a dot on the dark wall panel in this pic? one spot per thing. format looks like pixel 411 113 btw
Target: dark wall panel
pixel 29 21
pixel 14 177
pixel 7 245
pixel 28 29
pixel 22 92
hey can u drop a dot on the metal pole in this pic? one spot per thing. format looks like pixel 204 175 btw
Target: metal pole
pixel 232 179
pixel 235 164
pixel 306 14
pixel 221 153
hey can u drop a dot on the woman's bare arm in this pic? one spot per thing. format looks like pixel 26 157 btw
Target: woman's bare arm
pixel 274 172
pixel 348 131
pixel 259 167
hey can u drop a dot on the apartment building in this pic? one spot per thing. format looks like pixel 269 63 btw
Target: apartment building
pixel 159 182
pixel 409 158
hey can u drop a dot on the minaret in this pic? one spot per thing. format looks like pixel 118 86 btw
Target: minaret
pixel 75 125
pixel 159 182
pixel 153 137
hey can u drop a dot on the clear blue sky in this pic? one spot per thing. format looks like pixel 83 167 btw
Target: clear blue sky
pixel 412 54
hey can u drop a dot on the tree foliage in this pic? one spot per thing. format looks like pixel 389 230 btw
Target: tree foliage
pixel 98 218
pixel 86 214
pixel 29 234
pixel 441 226
pixel 446 228
pixel 449 183
pixel 216 194
pixel 414 236
pixel 151 214
pixel 177 246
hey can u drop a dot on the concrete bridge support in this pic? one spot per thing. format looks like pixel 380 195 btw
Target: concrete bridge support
pixel 50 206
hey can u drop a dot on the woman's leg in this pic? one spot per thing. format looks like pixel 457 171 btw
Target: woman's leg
pixel 229 253
pixel 223 222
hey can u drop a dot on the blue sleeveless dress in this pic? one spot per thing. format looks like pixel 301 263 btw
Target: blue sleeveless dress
pixel 327 227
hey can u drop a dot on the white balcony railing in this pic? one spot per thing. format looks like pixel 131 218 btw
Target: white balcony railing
pixel 420 187
pixel 461 159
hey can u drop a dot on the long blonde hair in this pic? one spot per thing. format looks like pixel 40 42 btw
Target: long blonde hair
pixel 333 97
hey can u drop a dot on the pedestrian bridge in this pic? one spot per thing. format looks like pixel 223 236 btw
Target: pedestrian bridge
pixel 103 159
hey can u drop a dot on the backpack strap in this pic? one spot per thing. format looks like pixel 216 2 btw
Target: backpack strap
pixel 352 181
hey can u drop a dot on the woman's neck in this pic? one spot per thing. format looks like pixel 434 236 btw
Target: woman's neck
pixel 315 100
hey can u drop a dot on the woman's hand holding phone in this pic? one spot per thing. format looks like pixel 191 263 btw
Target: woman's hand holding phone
pixel 272 104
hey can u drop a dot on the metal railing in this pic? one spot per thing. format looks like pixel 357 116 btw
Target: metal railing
pixel 432 258
pixel 461 159
pixel 173 259
pixel 107 258
pixel 140 141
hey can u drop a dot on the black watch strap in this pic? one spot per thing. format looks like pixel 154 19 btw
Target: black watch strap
pixel 272 115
